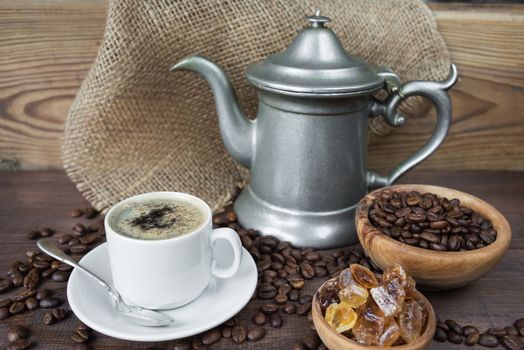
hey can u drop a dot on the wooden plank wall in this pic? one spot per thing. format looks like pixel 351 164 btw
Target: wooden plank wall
pixel 47 46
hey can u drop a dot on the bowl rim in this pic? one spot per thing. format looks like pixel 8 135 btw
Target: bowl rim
pixel 501 242
pixel 425 337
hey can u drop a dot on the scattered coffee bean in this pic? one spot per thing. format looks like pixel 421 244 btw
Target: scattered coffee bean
pixel 17 332
pixel 454 337
pixel 5 285
pixel 472 339
pixel 281 299
pixel 32 279
pixel 24 294
pixel 80 335
pixel 256 333
pixel 275 320
pixel 63 239
pixel 266 291
pixel 76 213
pixel 60 313
pixel 510 330
pixel 303 309
pixel 46 232
pixel 488 340
pixel 50 302
pixel 259 319
pixel 31 304
pixel 497 332
pixel 90 213
pixel 311 341
pixel 298 345
pixel 49 318
pixel 89 239
pixel 455 327
pixel 269 308
pixel 47 273
pixel 440 335
pixel 19 345
pixel 211 337
pixel 60 276
pixel 17 307
pixel 34 234
pixel 304 299
pixel 238 333
pixel 78 249
pixel 4 312
pixel 512 342
pixel 41 265
pixel 470 330
pixel 226 332
pixel 289 308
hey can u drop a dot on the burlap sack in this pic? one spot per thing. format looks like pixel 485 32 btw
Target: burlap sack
pixel 136 127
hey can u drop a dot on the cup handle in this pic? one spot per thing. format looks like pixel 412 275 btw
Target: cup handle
pixel 233 239
pixel 436 91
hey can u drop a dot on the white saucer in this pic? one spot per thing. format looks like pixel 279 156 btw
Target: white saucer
pixel 220 301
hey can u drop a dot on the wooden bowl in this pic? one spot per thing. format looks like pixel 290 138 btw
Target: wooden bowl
pixel 336 341
pixel 434 270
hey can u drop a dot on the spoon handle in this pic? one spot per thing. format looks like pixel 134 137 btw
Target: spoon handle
pixel 49 247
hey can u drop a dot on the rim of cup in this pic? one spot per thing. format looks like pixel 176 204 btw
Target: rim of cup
pixel 162 195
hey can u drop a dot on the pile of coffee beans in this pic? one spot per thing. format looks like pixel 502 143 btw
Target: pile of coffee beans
pixel 511 337
pixel 431 222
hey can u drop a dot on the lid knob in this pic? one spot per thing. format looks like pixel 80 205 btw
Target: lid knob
pixel 317 21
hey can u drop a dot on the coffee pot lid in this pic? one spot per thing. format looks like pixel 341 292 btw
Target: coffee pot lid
pixel 315 63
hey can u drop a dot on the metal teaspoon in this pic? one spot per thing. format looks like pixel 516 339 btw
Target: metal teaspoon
pixel 135 314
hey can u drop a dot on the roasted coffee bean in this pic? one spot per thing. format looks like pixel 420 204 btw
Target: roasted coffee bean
pixel 238 333
pixel 275 320
pixel 73 241
pixel 20 344
pixel 76 213
pixel 48 318
pixel 50 302
pixel 467 330
pixel 46 232
pixel 256 333
pixel 259 319
pixel 34 234
pixel 5 285
pixel 313 256
pixel 4 312
pixel 55 264
pixel 307 271
pixel 32 278
pixel 89 239
pixel 510 330
pixel 266 291
pixel 5 302
pixel 285 289
pixel 47 273
pixel 320 271
pixel 297 283
pixel 455 327
pixel 303 309
pixel 59 276
pixel 17 279
pixel 472 339
pixel 293 295
pixel 17 332
pixel 211 337
pixel 17 307
pixel 90 213
pixel 289 308
pixel 24 294
pixel 311 341
pixel 79 336
pixel 231 322
pixel 497 332
pixel 430 237
pixel 454 337
pixel 304 299
pixel 226 332
pixel 519 323
pixel 512 342
pixel 41 265
pixel 78 249
pixel 440 335
pixel 64 267
pixel 269 241
pixel 488 340
pixel 31 304
pixel 298 345
pixel 269 308
pixel 437 247
pixel 281 299
pixel 60 313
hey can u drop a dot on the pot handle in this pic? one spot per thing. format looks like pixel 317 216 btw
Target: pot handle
pixel 434 91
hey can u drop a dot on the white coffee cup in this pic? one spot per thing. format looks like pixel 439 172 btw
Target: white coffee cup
pixel 167 273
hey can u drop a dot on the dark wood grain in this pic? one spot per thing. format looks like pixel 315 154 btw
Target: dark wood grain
pixel 30 200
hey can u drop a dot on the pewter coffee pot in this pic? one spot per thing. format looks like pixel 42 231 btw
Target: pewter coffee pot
pixel 307 147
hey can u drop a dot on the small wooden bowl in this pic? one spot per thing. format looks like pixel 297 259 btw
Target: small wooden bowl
pixel 336 341
pixel 434 270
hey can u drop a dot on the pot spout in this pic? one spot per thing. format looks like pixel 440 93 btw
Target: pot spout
pixel 237 131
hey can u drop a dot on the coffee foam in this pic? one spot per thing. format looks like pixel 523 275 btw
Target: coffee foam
pixel 161 218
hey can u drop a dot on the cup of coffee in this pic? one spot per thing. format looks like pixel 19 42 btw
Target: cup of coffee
pixel 160 248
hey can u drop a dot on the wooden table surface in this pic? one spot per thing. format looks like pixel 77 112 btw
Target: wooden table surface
pixel 30 200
